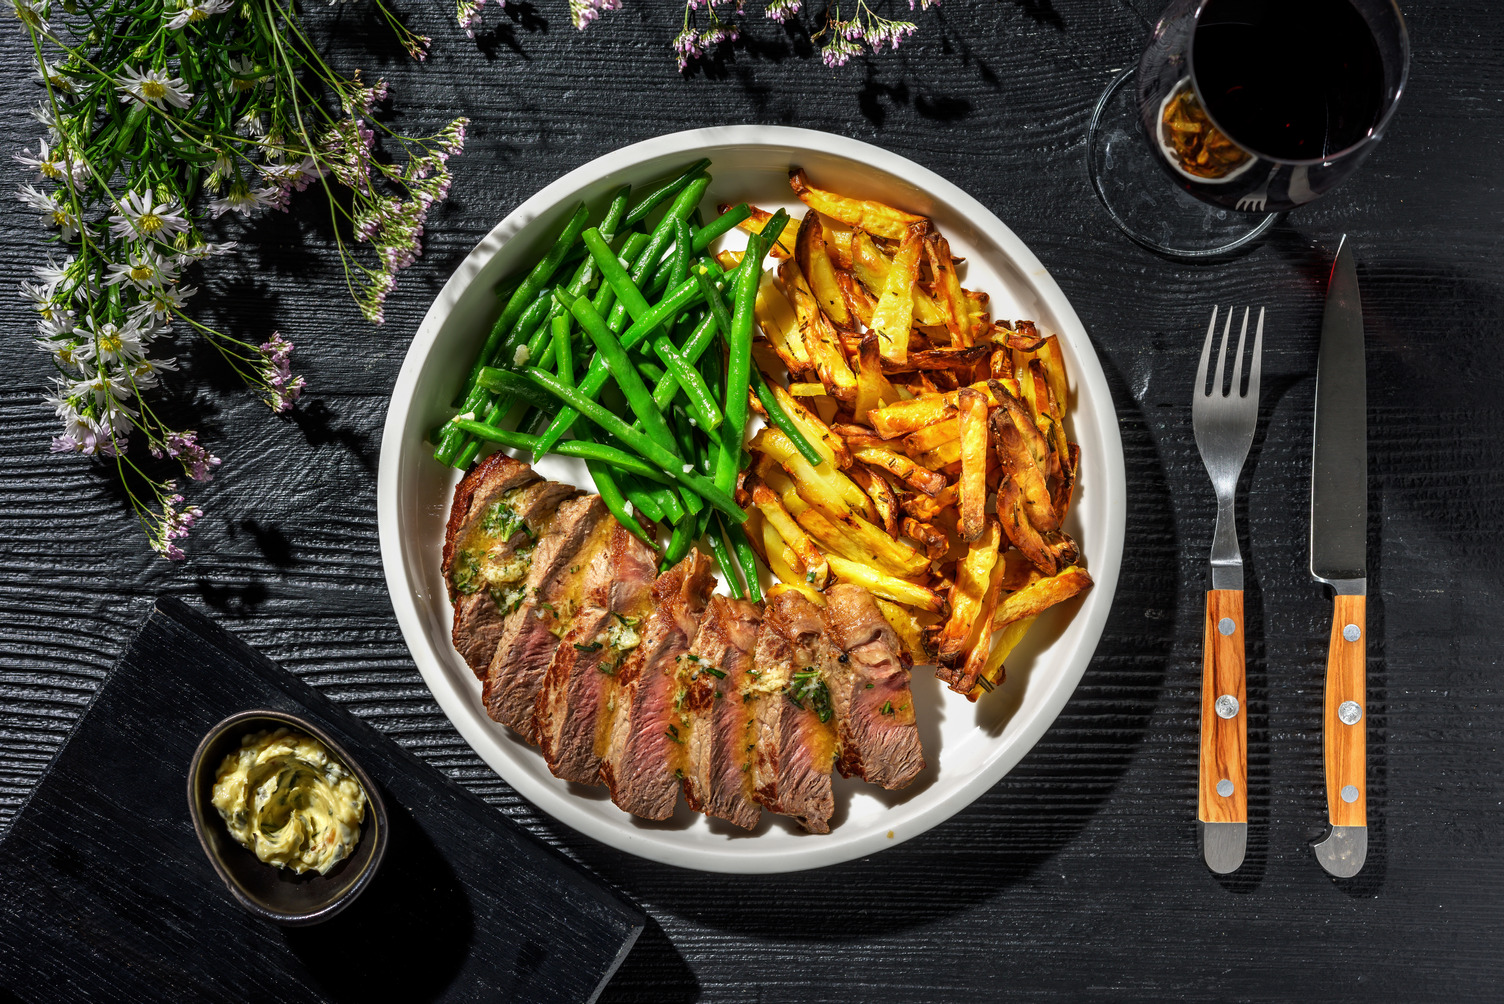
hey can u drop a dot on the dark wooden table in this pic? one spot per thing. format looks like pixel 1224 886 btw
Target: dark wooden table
pixel 1078 876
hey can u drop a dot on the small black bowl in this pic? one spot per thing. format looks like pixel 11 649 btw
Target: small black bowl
pixel 274 893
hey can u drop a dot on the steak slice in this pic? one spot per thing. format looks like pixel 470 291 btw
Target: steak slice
pixel 499 510
pixel 715 724
pixel 541 608
pixel 642 754
pixel 869 691
pixel 794 733
pixel 572 717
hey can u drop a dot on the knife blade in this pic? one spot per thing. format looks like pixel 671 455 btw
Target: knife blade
pixel 1339 547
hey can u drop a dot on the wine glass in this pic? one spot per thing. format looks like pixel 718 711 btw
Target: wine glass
pixel 1249 108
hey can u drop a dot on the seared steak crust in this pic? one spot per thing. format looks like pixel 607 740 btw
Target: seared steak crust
pixel 793 758
pixel 642 754
pixel 869 691
pixel 573 713
pixel 543 611
pixel 484 483
pixel 715 724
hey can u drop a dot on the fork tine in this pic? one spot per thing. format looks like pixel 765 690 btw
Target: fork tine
pixel 1222 357
pixel 1206 351
pixel 1254 363
pixel 1236 390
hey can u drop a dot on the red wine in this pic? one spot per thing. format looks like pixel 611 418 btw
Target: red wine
pixel 1290 79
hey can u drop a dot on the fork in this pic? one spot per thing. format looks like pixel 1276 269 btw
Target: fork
pixel 1224 423
pixel 1255 201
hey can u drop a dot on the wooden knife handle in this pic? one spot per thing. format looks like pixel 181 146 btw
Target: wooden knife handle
pixel 1224 723
pixel 1345 718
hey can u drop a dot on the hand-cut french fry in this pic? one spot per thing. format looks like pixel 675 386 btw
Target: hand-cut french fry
pixel 973 575
pixel 942 457
pixel 893 318
pixel 1039 596
pixel 1018 466
pixel 816 569
pixel 873 389
pixel 993 673
pixel 881 493
pixel 870 265
pixel 972 487
pixel 1051 417
pixel 776 318
pixel 1022 533
pixel 825 442
pixel 948 290
pixel 1023 421
pixel 1054 368
pixel 829 489
pixel 807 389
pixel 1065 485
pixel 909 628
pixel 931 436
pixel 976 658
pixel 854 538
pixel 821 341
pixel 781 562
pixel 962 360
pixel 753 224
pixel 859 302
pixel 930 537
pixel 903 417
pixel 887 586
pixel 978 314
pixel 814 261
pixel 873 217
pixel 838 240
pixel 901 467
pixel 1017 341
pixel 1001 364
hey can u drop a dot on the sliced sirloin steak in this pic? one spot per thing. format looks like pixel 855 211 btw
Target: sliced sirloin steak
pixel 573 712
pixel 543 610
pixel 715 723
pixel 641 753
pixel 794 733
pixel 498 510
pixel 869 691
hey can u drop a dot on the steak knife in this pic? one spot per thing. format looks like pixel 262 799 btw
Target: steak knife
pixel 1339 558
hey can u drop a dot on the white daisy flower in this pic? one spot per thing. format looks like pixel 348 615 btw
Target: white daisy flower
pixel 201 251
pixel 111 343
pixel 42 112
pixel 52 165
pixel 141 216
pixel 104 388
pixel 144 270
pixel 160 302
pixel 250 124
pixel 246 75
pixel 52 75
pixel 153 86
pixel 32 14
pixel 194 11
pixel 59 325
pixel 243 201
pixel 55 212
pixel 52 274
pixel 62 349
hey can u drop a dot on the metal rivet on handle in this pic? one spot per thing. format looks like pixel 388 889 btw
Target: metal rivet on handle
pixel 1227 706
pixel 1350 793
pixel 1226 625
pixel 1350 713
pixel 1224 788
pixel 1352 632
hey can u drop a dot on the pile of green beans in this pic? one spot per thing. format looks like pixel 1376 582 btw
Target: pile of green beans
pixel 624 308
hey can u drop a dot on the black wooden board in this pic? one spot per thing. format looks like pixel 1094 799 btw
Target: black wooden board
pixel 106 895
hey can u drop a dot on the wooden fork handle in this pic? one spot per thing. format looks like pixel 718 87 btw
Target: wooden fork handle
pixel 1224 713
pixel 1345 716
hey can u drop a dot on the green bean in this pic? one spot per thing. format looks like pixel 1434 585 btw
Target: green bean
pixel 563 350
pixel 745 557
pixel 650 201
pixel 500 381
pixel 678 543
pixel 686 442
pixel 722 555
pixel 707 415
pixel 715 299
pixel 652 371
pixel 625 374
pixel 643 501
pixel 537 279
pixel 616 504
pixel 642 268
pixel 739 351
pixel 583 449
pixel 780 418
pixel 503 437
pixel 694 346
pixel 596 376
pixel 667 460
pixel 605 296
pixel 673 509
pixel 611 271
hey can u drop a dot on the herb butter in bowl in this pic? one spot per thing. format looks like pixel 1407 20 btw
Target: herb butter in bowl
pixel 289 820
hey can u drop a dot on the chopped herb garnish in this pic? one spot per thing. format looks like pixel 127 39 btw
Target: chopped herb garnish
pixel 887 708
pixel 502 521
pixel 573 569
pixel 673 733
pixel 594 646
pixel 718 674
pixel 871 685
pixel 719 695
pixel 808 687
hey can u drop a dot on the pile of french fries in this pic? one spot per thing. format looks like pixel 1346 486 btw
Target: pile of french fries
pixel 947 472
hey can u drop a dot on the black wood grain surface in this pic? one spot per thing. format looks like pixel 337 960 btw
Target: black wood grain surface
pixel 1078 876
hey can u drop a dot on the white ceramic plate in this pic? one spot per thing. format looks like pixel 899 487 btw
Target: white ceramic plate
pixel 968 746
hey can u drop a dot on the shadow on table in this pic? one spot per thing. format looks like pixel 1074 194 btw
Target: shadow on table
pixel 1034 813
